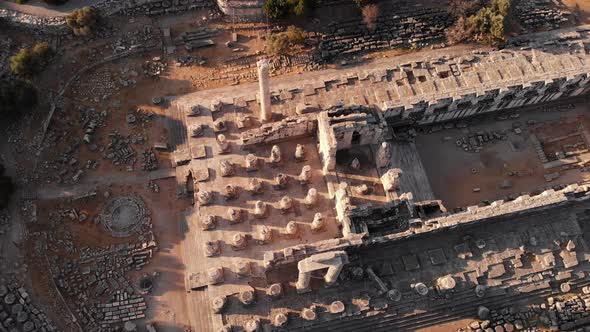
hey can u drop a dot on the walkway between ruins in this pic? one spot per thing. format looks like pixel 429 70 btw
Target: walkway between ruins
pixel 89 183
pixel 39 8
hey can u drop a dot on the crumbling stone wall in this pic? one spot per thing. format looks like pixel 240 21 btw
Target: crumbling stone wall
pixel 289 128
pixel 340 128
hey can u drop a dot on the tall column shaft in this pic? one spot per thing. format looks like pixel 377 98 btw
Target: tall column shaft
pixel 263 83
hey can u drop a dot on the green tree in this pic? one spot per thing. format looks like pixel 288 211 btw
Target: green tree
pixel 83 21
pixel 488 25
pixel 276 9
pixel 300 7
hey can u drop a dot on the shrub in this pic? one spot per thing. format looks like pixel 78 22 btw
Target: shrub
pixel 459 8
pixel 278 9
pixel 20 2
pixel 82 21
pixel 488 25
pixel 22 63
pixel 279 43
pixel 27 62
pixel 295 35
pixel 300 7
pixel 457 32
pixel 370 14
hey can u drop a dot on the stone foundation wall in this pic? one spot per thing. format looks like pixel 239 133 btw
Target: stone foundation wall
pixel 497 211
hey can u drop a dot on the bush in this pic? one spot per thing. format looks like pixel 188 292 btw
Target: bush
pixel 16 96
pixel 278 9
pixel 29 61
pixel 280 43
pixel 488 25
pixel 295 35
pixel 459 8
pixel 21 2
pixel 83 21
pixel 22 63
pixel 300 7
pixel 370 15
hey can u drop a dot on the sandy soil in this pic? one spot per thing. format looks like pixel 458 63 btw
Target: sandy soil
pixel 579 7
pixel 454 173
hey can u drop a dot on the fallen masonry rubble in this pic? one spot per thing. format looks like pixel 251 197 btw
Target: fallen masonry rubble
pixel 17 313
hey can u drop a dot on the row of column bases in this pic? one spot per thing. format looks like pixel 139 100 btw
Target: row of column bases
pixel 334 261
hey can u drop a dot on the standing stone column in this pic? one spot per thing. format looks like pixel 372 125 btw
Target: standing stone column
pixel 303 281
pixel 332 274
pixel 263 78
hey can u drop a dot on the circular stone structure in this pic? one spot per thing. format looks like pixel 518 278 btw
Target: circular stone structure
pixel 123 216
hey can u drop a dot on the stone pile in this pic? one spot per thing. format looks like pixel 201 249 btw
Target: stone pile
pixel 119 151
pixel 150 162
pixel 132 38
pixel 91 120
pixel 556 314
pixel 17 313
pixel 475 142
pixel 99 274
pixel 190 59
pixel 408 28
pixel 155 7
pixel 154 68
pixel 124 307
pixel 538 14
pixel 46 24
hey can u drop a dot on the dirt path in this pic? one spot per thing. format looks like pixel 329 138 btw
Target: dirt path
pixel 39 8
